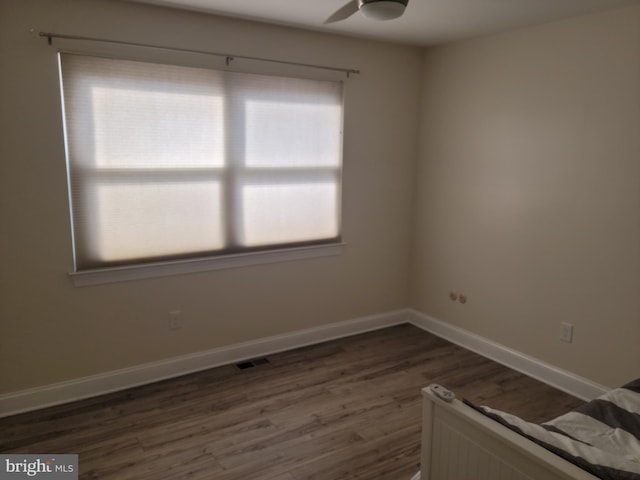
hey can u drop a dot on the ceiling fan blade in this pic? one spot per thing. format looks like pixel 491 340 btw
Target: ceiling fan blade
pixel 343 13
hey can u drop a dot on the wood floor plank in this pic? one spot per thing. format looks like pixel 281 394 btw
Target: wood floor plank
pixel 345 409
pixel 383 458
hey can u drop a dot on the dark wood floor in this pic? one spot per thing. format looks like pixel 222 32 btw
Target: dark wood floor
pixel 346 409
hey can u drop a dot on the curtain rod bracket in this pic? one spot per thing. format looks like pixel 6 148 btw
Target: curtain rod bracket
pixel 228 60
pixel 48 36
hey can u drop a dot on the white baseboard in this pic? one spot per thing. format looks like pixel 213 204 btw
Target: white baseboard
pixel 94 385
pixel 561 379
pixel 86 387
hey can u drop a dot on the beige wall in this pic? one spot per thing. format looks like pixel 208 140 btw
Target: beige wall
pixel 51 331
pixel 527 198
pixel 529 191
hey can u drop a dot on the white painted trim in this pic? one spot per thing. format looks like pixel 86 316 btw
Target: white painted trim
pixel 178 267
pixel 77 389
pixel 94 385
pixel 561 379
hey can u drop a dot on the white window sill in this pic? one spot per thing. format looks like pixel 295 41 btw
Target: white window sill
pixel 179 267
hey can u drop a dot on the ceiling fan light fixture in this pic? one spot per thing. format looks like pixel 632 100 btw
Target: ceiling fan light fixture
pixel 383 9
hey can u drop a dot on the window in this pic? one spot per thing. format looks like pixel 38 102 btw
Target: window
pixel 170 162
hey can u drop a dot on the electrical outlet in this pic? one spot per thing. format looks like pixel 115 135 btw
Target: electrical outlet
pixel 175 321
pixel 566 332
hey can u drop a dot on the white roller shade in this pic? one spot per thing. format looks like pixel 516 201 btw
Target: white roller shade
pixel 169 161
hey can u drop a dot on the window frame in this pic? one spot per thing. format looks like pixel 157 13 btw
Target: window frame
pixel 123 273
pixel 228 258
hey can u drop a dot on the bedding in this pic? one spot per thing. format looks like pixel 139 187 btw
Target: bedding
pixel 601 437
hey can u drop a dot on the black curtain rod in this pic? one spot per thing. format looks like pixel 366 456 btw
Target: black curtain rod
pixel 230 57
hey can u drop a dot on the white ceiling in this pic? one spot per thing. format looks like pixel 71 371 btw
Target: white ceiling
pixel 425 22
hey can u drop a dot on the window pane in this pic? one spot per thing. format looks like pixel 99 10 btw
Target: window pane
pixel 288 134
pixel 138 129
pixel 154 220
pixel 289 213
pixel 126 114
